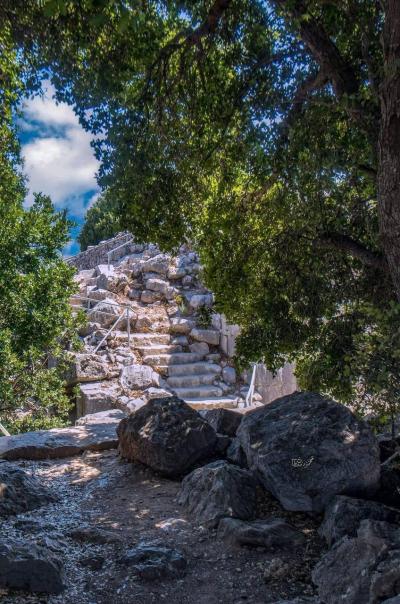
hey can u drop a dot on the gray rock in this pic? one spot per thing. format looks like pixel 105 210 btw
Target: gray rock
pixel 167 435
pixel 157 285
pixel 59 442
pixel 151 393
pixel 149 297
pixel 229 375
pixel 363 569
pixel 224 421
pixel 154 562
pixel 395 600
pixel 105 312
pixel 236 455
pixel 181 326
pixel 219 490
pixel 199 348
pixel 89 368
pixel 19 492
pixel 138 377
pixel 112 416
pixel 307 448
pixel 344 514
pixel 175 273
pixel 273 533
pixel 210 336
pixel 97 397
pixel 29 567
pixel 158 264
pixel 201 300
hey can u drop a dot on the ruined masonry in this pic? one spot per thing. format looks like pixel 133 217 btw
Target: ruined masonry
pixel 167 339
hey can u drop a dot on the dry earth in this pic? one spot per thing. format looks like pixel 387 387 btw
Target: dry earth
pixel 101 492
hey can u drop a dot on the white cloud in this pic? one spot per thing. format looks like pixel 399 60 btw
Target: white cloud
pixel 46 110
pixel 61 165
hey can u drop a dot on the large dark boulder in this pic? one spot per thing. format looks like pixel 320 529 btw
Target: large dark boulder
pixel 219 490
pixel 224 421
pixel 29 567
pixel 363 569
pixel 271 533
pixel 343 516
pixel 307 448
pixel 167 435
pixel 19 492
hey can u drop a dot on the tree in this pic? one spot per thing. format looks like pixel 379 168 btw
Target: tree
pixel 101 222
pixel 35 283
pixel 267 133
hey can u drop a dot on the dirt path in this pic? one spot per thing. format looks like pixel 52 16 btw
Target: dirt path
pixel 101 492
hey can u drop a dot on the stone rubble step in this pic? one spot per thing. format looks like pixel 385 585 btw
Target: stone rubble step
pixel 159 349
pixel 178 358
pixel 187 381
pixel 198 392
pixel 203 367
pixel 144 339
pixel 212 403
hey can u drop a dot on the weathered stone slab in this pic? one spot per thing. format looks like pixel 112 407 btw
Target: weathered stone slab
pixel 59 442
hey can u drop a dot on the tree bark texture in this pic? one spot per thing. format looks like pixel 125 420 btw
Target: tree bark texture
pixel 389 145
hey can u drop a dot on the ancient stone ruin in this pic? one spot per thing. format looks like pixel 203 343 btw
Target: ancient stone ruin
pixel 174 343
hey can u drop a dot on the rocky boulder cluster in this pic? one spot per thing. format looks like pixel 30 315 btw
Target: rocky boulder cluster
pixel 308 451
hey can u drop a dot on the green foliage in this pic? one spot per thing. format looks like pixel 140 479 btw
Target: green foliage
pixel 35 284
pixel 101 222
pixel 204 316
pixel 214 139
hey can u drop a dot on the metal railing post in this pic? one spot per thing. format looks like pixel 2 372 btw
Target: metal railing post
pixel 128 327
pixel 249 396
pixel 5 432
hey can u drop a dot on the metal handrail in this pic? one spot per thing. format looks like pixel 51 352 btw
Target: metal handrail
pixel 110 253
pixel 79 297
pixel 126 314
pixel 69 258
pixel 250 394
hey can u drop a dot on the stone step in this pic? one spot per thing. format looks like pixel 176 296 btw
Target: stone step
pixel 188 381
pixel 145 339
pixel 212 403
pixel 159 349
pixel 178 358
pixel 198 392
pixel 194 369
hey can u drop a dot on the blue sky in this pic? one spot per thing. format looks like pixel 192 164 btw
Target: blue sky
pixel 58 158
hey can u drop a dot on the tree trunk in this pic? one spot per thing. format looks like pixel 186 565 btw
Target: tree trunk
pixel 389 144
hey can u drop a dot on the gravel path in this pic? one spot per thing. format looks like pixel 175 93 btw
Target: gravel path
pixel 106 506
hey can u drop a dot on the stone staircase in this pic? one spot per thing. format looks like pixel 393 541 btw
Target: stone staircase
pixel 162 336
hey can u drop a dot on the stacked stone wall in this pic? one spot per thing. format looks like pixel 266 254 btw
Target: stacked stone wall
pixel 97 254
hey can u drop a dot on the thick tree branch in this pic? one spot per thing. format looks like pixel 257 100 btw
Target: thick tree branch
pixel 313 82
pixel 345 243
pixel 322 48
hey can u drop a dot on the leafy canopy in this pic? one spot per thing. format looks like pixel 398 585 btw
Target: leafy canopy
pixel 250 128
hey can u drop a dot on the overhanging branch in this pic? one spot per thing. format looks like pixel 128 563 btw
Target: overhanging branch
pixel 356 249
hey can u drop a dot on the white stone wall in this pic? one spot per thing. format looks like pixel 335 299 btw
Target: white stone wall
pixel 268 385
pixel 271 386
